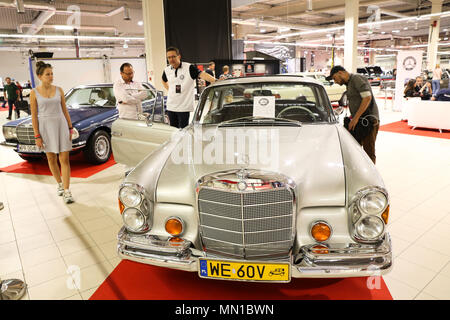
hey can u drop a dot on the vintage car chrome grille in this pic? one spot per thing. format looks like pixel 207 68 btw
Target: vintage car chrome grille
pixel 25 135
pixel 247 225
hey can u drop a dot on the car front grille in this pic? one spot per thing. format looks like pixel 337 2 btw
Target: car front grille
pixel 248 225
pixel 25 135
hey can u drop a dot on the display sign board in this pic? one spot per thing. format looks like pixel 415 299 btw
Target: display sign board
pixel 409 66
pixel 264 106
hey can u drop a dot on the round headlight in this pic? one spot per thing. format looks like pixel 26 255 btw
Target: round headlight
pixel 373 202
pixel 370 228
pixel 9 132
pixel 133 219
pixel 130 197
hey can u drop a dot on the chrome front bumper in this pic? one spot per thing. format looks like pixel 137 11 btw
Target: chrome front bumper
pixel 339 260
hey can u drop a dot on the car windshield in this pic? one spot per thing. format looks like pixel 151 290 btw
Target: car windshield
pixel 91 97
pixel 276 103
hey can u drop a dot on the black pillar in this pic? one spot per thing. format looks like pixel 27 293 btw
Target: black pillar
pixel 201 29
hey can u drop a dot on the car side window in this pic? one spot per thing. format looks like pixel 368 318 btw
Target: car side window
pixel 211 104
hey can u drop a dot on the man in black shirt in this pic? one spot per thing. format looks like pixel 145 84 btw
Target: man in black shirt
pixel 11 94
pixel 211 71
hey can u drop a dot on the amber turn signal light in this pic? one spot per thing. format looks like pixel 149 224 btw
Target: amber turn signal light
pixel 174 226
pixel 321 231
pixel 319 249
pixel 121 207
pixel 385 215
pixel 175 241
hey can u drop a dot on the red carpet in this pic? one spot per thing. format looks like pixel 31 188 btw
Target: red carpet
pixel 80 168
pixel 136 281
pixel 403 127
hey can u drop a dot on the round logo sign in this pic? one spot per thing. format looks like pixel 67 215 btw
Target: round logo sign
pixel 409 63
pixel 264 101
pixel 182 77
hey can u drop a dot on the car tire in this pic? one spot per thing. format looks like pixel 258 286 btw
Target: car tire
pixel 98 147
pixel 31 158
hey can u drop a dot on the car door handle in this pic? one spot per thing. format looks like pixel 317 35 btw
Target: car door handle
pixel 116 133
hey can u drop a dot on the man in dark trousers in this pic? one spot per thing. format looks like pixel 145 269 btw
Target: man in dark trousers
pixel 179 79
pixel 361 102
pixel 11 94
pixel 211 71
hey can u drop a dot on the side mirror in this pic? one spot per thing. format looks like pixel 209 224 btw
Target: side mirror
pixel 343 102
pixel 338 111
pixel 147 117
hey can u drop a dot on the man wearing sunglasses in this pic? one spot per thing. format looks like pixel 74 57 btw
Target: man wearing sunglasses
pixel 129 94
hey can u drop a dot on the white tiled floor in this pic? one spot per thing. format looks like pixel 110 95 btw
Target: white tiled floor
pixel 66 252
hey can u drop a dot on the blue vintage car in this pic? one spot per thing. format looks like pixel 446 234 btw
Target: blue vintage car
pixel 92 109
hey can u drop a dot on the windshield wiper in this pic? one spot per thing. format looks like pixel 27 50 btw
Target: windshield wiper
pixel 259 120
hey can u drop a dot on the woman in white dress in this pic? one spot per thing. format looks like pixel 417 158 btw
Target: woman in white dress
pixel 52 127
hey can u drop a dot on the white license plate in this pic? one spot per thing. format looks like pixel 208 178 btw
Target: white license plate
pixel 28 148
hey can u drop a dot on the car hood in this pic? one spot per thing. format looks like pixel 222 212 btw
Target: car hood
pixel 76 115
pixel 309 155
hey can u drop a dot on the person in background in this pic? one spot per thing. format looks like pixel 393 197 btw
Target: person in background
pixel 418 85
pixel 52 127
pixel 129 94
pixel 179 79
pixel 442 95
pixel 426 92
pixel 409 91
pixel 11 93
pixel 226 73
pixel 211 71
pixel 20 90
pixel 437 75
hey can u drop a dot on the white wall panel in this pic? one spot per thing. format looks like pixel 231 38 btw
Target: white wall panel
pixel 139 66
pixel 69 73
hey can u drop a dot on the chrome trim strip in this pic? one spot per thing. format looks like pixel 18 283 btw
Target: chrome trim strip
pixel 248 245
pixel 247 205
pixel 252 219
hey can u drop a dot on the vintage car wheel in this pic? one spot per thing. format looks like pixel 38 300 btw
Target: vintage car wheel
pixel 98 148
pixel 31 158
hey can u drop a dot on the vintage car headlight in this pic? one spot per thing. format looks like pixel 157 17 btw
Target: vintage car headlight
pixel 370 228
pixel 75 134
pixel 9 132
pixel 369 212
pixel 134 219
pixel 373 202
pixel 130 197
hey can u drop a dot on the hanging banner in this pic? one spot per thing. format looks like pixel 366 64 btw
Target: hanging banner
pixel 409 66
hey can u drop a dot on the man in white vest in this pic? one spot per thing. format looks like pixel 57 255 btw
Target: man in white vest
pixel 179 80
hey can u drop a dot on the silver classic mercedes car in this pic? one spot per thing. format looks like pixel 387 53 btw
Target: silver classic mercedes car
pixel 263 185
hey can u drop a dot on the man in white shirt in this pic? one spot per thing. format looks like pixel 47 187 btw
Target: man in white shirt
pixel 179 80
pixel 128 93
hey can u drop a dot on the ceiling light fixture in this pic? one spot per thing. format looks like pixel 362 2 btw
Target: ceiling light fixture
pixel 64 37
pixel 63 27
pixel 140 23
pixel 366 24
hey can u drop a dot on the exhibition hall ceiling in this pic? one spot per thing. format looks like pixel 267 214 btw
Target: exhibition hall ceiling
pixel 291 21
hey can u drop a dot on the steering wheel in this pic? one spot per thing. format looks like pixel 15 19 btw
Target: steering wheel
pixel 298 107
